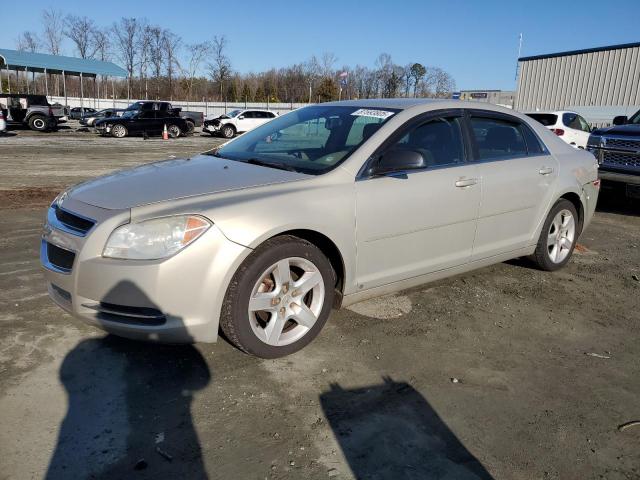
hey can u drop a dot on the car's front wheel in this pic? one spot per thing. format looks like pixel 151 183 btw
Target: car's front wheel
pixel 38 123
pixel 279 299
pixel 558 237
pixel 119 131
pixel 228 131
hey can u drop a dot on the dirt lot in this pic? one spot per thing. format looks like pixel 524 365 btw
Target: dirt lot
pixel 506 373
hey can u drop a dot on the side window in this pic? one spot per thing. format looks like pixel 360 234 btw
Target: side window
pixel 248 115
pixel 439 140
pixel 534 144
pixel 584 126
pixel 571 120
pixel 147 115
pixel 270 115
pixel 498 139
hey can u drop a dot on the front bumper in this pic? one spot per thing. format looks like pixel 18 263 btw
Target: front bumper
pixel 628 178
pixel 176 300
pixel 211 127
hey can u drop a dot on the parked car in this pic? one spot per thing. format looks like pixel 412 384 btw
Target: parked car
pixel 570 126
pixel 617 149
pixel 193 119
pixel 325 206
pixel 143 122
pixel 3 122
pixel 238 121
pixel 90 119
pixel 33 111
pixel 77 113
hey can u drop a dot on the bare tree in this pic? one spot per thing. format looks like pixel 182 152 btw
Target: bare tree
pixel 144 55
pixel 197 53
pixel 328 60
pixel 126 33
pixel 156 55
pixel 28 42
pixel 80 31
pixel 220 67
pixel 53 28
pixel 171 44
pixel 311 69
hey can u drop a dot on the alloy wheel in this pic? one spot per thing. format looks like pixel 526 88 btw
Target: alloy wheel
pixel 286 301
pixel 561 235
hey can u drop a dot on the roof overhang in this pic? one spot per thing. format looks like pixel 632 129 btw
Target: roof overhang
pixel 42 62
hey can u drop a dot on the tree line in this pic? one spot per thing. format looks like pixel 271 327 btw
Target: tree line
pixel 160 64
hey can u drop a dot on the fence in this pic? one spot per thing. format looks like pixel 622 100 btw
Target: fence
pixel 208 108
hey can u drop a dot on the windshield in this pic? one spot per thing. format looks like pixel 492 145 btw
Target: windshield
pixel 310 140
pixel 129 113
pixel 232 113
pixel 635 118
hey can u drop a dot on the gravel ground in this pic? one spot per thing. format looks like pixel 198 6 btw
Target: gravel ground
pixel 506 372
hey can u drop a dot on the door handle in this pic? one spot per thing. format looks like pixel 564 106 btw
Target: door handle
pixel 545 171
pixel 466 182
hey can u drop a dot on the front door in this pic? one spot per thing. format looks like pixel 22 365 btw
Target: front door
pixel 420 221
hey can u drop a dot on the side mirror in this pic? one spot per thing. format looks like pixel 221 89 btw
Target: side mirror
pixel 398 160
pixel 620 120
pixel 241 117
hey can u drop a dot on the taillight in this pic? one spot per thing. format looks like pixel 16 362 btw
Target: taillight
pixel 596 183
pixel 1 115
pixel 558 131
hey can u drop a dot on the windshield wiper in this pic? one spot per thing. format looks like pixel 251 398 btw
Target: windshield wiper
pixel 279 165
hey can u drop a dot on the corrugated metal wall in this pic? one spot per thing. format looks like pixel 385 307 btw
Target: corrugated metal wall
pixel 607 77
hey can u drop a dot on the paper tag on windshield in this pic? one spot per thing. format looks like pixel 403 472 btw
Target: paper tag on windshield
pixel 364 112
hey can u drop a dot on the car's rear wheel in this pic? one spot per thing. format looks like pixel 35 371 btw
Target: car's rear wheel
pixel 558 237
pixel 119 131
pixel 38 123
pixel 174 131
pixel 279 299
pixel 228 131
pixel 190 127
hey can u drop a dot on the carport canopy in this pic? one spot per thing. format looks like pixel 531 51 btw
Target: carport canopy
pixel 58 64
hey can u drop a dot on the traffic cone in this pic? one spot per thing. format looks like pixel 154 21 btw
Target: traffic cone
pixel 165 134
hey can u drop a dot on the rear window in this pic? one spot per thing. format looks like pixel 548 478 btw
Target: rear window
pixel 546 119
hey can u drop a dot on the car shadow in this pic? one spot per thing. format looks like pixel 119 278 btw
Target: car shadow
pixel 389 431
pixel 613 199
pixel 129 409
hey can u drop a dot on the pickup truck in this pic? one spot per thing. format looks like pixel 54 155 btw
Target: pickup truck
pixel 617 149
pixel 150 118
pixel 34 111
pixel 193 119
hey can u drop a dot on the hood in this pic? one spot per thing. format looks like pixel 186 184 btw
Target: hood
pixel 632 130
pixel 173 179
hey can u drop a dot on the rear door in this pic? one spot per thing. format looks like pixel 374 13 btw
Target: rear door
pixel 577 128
pixel 518 176
pixel 246 121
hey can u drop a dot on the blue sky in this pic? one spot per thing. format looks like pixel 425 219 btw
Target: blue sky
pixel 476 41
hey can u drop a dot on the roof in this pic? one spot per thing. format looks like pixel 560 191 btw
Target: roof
pixel 38 62
pixel 579 52
pixel 397 103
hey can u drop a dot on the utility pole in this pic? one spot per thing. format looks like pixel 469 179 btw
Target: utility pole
pixel 519 52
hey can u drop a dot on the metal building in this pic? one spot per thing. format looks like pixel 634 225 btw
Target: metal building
pixel 599 82
pixel 504 98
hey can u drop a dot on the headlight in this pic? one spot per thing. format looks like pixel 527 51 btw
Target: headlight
pixel 155 239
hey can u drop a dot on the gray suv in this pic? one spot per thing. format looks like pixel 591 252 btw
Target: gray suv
pixel 33 111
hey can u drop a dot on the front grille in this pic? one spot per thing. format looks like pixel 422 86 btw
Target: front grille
pixel 623 143
pixel 72 221
pixel 620 159
pixel 59 257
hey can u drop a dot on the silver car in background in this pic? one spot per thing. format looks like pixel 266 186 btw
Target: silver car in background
pixel 320 208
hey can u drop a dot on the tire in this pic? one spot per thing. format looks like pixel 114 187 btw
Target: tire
pixel 190 127
pixel 119 131
pixel 38 123
pixel 174 131
pixel 558 237
pixel 228 131
pixel 270 328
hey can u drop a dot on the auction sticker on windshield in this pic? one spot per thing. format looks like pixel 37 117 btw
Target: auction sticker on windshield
pixel 364 112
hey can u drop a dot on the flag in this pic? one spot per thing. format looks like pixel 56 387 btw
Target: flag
pixel 343 74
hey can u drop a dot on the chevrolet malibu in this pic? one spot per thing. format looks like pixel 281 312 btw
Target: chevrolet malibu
pixel 323 207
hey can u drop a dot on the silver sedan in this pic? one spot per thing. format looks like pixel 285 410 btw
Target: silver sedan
pixel 323 207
